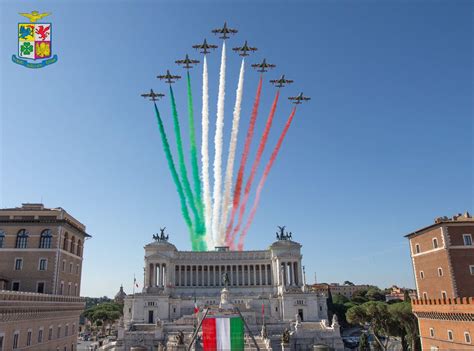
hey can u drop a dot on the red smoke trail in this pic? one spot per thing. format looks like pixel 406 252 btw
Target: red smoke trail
pixel 256 162
pixel 243 161
pixel 268 167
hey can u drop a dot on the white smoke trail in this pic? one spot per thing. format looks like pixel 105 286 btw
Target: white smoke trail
pixel 226 203
pixel 218 141
pixel 205 157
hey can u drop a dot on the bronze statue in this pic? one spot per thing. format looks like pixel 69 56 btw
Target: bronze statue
pixel 285 337
pixel 180 338
pixel 282 235
pixel 225 279
pixel 161 236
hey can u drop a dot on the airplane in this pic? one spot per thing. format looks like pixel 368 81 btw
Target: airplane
pixel 204 47
pixel 281 82
pixel 187 62
pixel 244 49
pixel 153 96
pixel 224 31
pixel 168 77
pixel 299 99
pixel 263 66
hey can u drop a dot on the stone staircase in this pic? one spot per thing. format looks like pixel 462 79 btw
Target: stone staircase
pixel 250 346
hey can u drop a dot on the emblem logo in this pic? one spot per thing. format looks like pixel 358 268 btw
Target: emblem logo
pixel 34 42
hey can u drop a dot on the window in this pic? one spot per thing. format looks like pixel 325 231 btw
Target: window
pixel 16 286
pixel 21 239
pixel 467 238
pixel 43 264
pixel 66 330
pixel 16 336
pixel 64 266
pixel 440 272
pixel 18 264
pixel 467 337
pixel 435 243
pixel 40 336
pixel 70 267
pixel 58 335
pixel 61 288
pixel 50 333
pixel 450 335
pixel 69 288
pixel 28 338
pixel 73 243
pixel 45 239
pixel 77 269
pixel 73 328
pixel 425 295
pixel 75 290
pixel 2 239
pixel 1 342
pixel 471 269
pixel 444 295
pixel 417 248
pixel 422 275
pixel 40 287
pixel 432 332
pixel 66 239
pixel 79 248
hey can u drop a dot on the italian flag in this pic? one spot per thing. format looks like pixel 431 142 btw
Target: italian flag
pixel 223 334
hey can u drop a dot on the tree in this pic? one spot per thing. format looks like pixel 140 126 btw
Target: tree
pixel 364 342
pixel 401 312
pixel 406 296
pixel 348 283
pixel 104 314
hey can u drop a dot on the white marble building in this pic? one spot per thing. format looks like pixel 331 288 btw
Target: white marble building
pixel 271 280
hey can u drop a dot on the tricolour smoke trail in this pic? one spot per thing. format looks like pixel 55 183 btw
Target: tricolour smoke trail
pixel 174 173
pixel 264 178
pixel 230 160
pixel 218 141
pixel 256 163
pixel 193 151
pixel 198 230
pixel 206 188
pixel 243 161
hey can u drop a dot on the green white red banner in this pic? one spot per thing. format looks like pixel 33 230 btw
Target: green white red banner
pixel 223 334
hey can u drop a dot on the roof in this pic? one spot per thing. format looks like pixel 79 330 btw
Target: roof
pixel 466 218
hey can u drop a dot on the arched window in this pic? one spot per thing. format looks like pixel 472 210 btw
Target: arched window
pixel 21 239
pixel 66 238
pixel 79 248
pixel 45 239
pixel 73 242
pixel 2 238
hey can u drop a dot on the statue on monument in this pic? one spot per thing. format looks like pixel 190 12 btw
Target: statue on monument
pixel 162 236
pixel 180 338
pixel 285 337
pixel 282 235
pixel 225 279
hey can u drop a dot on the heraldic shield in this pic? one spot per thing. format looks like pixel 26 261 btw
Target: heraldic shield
pixel 34 40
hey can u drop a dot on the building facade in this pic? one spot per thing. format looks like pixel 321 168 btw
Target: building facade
pixel 41 253
pixel 267 286
pixel 443 264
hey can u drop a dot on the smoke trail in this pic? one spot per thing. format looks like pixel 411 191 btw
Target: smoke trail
pixel 193 151
pixel 243 161
pixel 218 140
pixel 205 156
pixel 263 179
pixel 174 174
pixel 184 173
pixel 231 157
pixel 256 162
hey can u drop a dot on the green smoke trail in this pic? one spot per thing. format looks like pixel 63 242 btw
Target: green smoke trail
pixel 194 162
pixel 174 173
pixel 197 241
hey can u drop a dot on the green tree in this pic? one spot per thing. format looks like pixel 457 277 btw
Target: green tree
pixel 347 282
pixel 409 333
pixel 364 342
pixel 104 314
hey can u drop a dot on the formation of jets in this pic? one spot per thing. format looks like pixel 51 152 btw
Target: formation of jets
pixel 281 82
pixel 204 47
pixel 153 96
pixel 168 77
pixel 299 99
pixel 263 66
pixel 187 62
pixel 224 31
pixel 243 50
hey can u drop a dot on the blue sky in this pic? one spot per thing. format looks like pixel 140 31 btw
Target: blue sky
pixel 384 146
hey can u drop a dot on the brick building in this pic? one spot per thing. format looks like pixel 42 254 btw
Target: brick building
pixel 443 264
pixel 41 253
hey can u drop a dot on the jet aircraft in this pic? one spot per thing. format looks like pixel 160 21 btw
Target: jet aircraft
pixel 281 82
pixel 204 47
pixel 153 96
pixel 244 49
pixel 224 31
pixel 299 99
pixel 263 67
pixel 168 77
pixel 187 62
